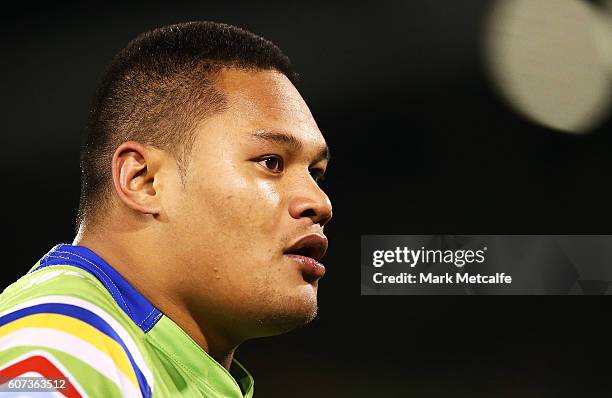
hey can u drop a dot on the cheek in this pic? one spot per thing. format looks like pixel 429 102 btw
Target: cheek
pixel 233 210
pixel 252 208
pixel 234 225
pixel 265 205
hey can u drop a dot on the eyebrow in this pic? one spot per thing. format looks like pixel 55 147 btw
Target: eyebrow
pixel 289 140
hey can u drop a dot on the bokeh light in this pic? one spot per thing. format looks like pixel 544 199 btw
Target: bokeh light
pixel 550 60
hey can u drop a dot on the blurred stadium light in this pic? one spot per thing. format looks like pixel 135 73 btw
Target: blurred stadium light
pixel 551 60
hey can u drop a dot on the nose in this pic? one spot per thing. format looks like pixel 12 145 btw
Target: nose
pixel 313 204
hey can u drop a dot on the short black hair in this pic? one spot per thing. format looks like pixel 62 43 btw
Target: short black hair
pixel 158 88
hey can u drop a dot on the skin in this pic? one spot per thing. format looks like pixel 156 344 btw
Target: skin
pixel 208 250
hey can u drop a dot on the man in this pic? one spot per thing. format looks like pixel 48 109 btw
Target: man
pixel 200 225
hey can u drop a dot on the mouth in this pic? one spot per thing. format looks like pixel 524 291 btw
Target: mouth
pixel 313 246
pixel 307 252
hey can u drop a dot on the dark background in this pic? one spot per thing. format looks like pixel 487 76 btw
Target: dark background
pixel 421 143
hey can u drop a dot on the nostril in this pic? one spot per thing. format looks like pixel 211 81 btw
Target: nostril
pixel 308 213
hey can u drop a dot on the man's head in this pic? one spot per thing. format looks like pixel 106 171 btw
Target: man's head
pixel 201 149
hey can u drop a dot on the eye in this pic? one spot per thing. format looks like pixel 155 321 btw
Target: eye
pixel 317 175
pixel 274 163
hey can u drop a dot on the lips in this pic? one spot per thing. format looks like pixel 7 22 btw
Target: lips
pixel 313 246
pixel 307 252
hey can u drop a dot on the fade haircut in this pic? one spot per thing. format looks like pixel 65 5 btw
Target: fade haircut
pixel 157 89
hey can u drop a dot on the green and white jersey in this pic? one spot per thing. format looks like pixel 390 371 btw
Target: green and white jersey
pixel 74 317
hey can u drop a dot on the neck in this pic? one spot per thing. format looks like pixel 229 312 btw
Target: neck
pixel 159 284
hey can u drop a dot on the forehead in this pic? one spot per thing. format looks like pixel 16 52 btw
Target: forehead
pixel 267 100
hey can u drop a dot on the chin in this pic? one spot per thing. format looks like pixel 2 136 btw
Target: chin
pixel 284 322
pixel 288 313
pixel 280 304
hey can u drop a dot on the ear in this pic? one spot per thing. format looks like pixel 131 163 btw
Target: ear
pixel 134 168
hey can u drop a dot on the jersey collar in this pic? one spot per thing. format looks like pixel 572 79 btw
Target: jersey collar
pixel 135 305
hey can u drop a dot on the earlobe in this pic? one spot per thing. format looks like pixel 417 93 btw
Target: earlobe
pixel 134 168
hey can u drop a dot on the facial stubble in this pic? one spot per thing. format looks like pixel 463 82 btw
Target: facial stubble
pixel 279 312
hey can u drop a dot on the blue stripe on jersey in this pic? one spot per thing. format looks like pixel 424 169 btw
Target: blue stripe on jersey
pixel 135 305
pixel 86 316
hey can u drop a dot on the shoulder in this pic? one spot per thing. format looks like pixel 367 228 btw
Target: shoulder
pixel 62 290
pixel 62 319
pixel 57 280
